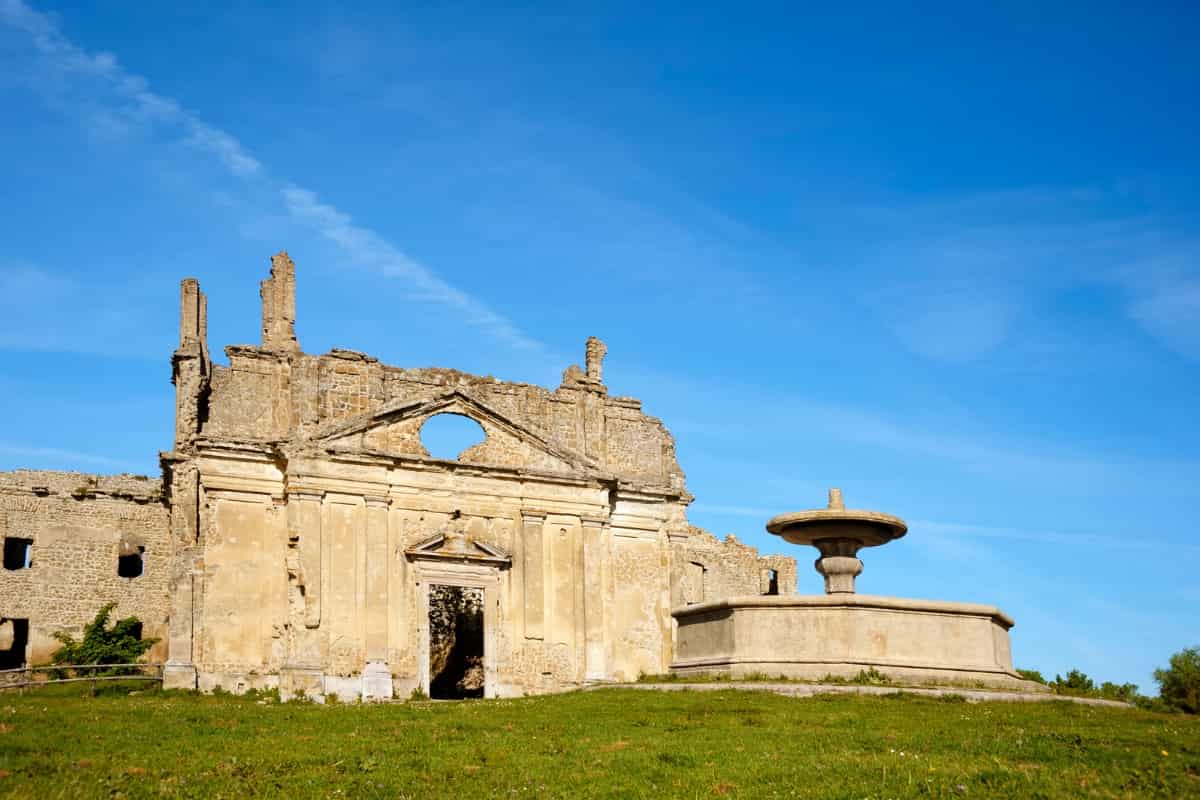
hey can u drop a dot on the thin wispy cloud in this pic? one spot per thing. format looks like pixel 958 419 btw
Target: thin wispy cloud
pixel 1166 298
pixel 369 249
pixel 130 104
pixel 45 311
pixel 961 277
pixel 1082 540
pixel 974 449
pixel 60 456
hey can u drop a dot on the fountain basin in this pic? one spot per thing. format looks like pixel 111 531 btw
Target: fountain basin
pixel 868 528
pixel 812 636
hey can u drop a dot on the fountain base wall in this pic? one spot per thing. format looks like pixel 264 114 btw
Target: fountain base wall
pixel 812 636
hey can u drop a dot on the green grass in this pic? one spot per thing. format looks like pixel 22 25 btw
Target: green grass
pixel 613 743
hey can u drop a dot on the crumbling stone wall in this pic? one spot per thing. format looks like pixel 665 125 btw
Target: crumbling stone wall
pixel 265 396
pixel 78 524
pixel 709 568
pixel 300 488
pixel 276 393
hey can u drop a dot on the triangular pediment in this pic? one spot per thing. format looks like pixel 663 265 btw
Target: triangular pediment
pixel 394 430
pixel 449 548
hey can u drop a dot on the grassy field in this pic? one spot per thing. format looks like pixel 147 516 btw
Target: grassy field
pixel 612 743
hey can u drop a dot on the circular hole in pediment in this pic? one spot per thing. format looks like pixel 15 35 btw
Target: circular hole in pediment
pixel 448 436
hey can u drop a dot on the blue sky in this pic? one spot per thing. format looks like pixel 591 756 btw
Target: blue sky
pixel 943 257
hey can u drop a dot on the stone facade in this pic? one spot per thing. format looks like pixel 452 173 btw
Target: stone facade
pixel 301 523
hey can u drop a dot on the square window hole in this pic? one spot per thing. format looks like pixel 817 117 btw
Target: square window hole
pixel 18 553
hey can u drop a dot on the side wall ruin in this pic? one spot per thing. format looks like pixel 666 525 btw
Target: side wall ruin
pixel 78 527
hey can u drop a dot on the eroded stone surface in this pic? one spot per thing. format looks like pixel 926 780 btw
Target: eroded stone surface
pixel 79 524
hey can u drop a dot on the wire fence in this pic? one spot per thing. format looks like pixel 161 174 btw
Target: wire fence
pixel 24 678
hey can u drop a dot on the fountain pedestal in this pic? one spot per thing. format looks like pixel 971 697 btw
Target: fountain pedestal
pixel 838 533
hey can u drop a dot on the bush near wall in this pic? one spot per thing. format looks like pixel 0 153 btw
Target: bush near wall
pixel 120 644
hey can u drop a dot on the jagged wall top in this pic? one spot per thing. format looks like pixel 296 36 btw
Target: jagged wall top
pixel 277 395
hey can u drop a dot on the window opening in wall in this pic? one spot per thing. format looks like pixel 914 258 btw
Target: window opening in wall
pixel 18 553
pixel 772 582
pixel 455 642
pixel 14 638
pixel 448 436
pixel 130 562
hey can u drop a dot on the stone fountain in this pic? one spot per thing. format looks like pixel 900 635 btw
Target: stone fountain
pixel 838 533
pixel 842 633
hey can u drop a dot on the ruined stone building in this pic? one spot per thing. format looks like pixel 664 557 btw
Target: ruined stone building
pixel 301 536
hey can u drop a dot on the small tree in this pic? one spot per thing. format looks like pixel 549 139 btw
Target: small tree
pixel 1076 682
pixel 1179 683
pixel 120 644
pixel 1032 675
pixel 1125 692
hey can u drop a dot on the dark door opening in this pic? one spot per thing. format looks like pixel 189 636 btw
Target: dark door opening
pixel 455 642
pixel 772 581
pixel 14 638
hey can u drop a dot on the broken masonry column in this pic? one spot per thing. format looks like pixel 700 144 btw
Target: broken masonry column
pixel 278 294
pixel 594 356
pixel 190 366
pixel 592 404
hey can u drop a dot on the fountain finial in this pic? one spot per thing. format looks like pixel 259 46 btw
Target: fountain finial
pixel 835 499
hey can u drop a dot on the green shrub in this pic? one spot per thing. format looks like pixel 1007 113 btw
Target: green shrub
pixel 1076 682
pixel 1151 704
pixel 1179 683
pixel 270 695
pixel 120 644
pixel 1125 692
pixel 871 677
pixel 418 694
pixel 1032 675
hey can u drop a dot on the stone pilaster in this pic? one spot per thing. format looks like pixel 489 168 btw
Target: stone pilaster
pixel 533 569
pixel 304 527
pixel 595 556
pixel 377 677
pixel 180 670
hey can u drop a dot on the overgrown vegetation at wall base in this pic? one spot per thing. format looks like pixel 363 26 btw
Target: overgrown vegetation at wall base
pixel 610 743
pixel 120 644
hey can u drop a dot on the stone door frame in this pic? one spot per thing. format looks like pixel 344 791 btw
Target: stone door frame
pixel 467 575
